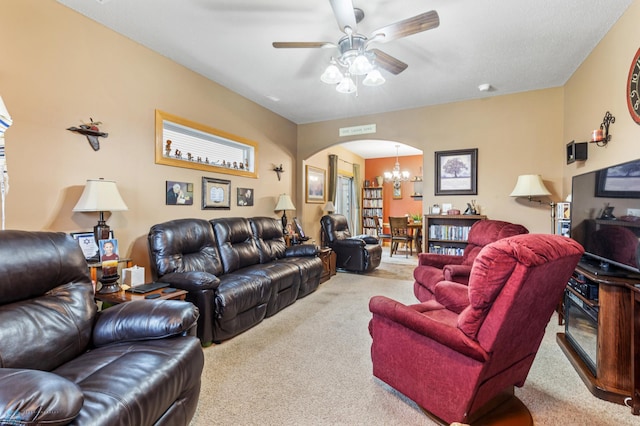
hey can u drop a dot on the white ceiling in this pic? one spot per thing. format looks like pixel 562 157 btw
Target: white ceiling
pixel 513 45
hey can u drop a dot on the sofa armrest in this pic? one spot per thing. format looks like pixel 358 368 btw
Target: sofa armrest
pixel 301 250
pixel 413 318
pixel 457 273
pixel 453 296
pixel 438 260
pixel 369 239
pixel 191 281
pixel 349 242
pixel 37 397
pixel 144 320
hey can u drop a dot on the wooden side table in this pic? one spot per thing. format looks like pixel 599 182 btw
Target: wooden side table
pixel 94 266
pixel 126 296
pixel 328 258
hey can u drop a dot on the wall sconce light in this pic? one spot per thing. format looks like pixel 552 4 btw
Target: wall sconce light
pixel 278 169
pixel 532 186
pixel 601 136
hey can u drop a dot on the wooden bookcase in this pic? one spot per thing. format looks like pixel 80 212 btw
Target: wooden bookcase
pixel 447 234
pixel 371 207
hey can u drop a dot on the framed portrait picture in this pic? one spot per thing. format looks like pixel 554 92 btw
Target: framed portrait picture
pixel 457 172
pixel 88 244
pixel 245 197
pixel 315 185
pixel 397 190
pixel 216 194
pixel 179 193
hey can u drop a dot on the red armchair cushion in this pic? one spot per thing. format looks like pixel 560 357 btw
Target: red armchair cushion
pixel 453 296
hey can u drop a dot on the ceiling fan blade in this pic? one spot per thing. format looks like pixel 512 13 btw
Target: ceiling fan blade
pixel 301 44
pixel 388 62
pixel 343 10
pixel 423 22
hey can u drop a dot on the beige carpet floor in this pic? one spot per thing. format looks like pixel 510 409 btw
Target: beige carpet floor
pixel 310 365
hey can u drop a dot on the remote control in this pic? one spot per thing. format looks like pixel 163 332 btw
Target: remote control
pixel 169 290
pixel 152 296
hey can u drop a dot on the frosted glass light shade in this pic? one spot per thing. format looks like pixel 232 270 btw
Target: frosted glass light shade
pixel 331 75
pixel 346 85
pixel 360 65
pixel 374 78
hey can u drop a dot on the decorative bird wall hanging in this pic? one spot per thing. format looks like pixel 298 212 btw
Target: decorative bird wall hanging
pixel 92 132
pixel 278 170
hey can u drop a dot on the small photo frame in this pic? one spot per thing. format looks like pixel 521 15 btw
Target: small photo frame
pixel 179 193
pixel 87 242
pixel 109 250
pixel 457 172
pixel 315 185
pixel 245 197
pixel 216 194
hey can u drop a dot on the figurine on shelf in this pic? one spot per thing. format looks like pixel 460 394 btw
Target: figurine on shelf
pixel 472 208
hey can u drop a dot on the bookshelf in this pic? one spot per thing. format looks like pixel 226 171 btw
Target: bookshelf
pixel 447 234
pixel 371 207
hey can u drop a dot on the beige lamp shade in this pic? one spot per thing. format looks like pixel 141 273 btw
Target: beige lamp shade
pixel 530 186
pixel 100 195
pixel 284 203
pixel 329 207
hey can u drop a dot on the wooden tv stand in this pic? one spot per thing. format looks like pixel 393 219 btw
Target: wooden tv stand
pixel 617 376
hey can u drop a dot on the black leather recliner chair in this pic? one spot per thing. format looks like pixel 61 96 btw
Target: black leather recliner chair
pixel 360 253
pixel 63 362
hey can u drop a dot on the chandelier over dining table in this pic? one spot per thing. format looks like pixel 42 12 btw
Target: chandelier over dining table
pixel 396 176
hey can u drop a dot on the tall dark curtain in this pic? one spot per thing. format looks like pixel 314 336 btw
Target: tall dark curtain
pixel 332 186
pixel 356 195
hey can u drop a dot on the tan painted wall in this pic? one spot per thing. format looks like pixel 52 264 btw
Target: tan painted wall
pixel 59 68
pixel 515 134
pixel 598 86
pixel 311 213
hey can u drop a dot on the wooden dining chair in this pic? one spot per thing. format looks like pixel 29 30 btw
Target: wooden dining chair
pixel 400 234
pixel 380 231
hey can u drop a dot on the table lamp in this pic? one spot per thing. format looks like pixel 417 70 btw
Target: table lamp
pixel 100 195
pixel 329 207
pixel 284 204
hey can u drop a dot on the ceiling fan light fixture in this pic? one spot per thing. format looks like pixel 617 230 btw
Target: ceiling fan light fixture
pixel 374 78
pixel 332 74
pixel 346 85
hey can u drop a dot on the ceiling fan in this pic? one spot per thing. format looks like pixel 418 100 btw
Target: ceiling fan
pixel 355 57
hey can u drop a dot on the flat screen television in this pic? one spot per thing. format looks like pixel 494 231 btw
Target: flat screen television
pixel 605 219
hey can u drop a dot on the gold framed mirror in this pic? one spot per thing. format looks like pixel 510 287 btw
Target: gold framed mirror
pixel 185 143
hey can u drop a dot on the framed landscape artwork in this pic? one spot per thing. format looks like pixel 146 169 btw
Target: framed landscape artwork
pixel 315 185
pixel 457 172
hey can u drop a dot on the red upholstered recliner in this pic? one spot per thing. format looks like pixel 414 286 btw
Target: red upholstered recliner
pixel 453 364
pixel 433 268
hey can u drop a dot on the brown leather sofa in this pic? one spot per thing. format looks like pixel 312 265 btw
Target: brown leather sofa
pixel 63 362
pixel 238 271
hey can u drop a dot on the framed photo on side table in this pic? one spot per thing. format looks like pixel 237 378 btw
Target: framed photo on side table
pixel 315 185
pixel 88 244
pixel 457 172
pixel 216 194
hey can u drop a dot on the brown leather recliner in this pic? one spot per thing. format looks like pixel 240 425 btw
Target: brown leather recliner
pixel 360 253
pixel 433 268
pixel 63 362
